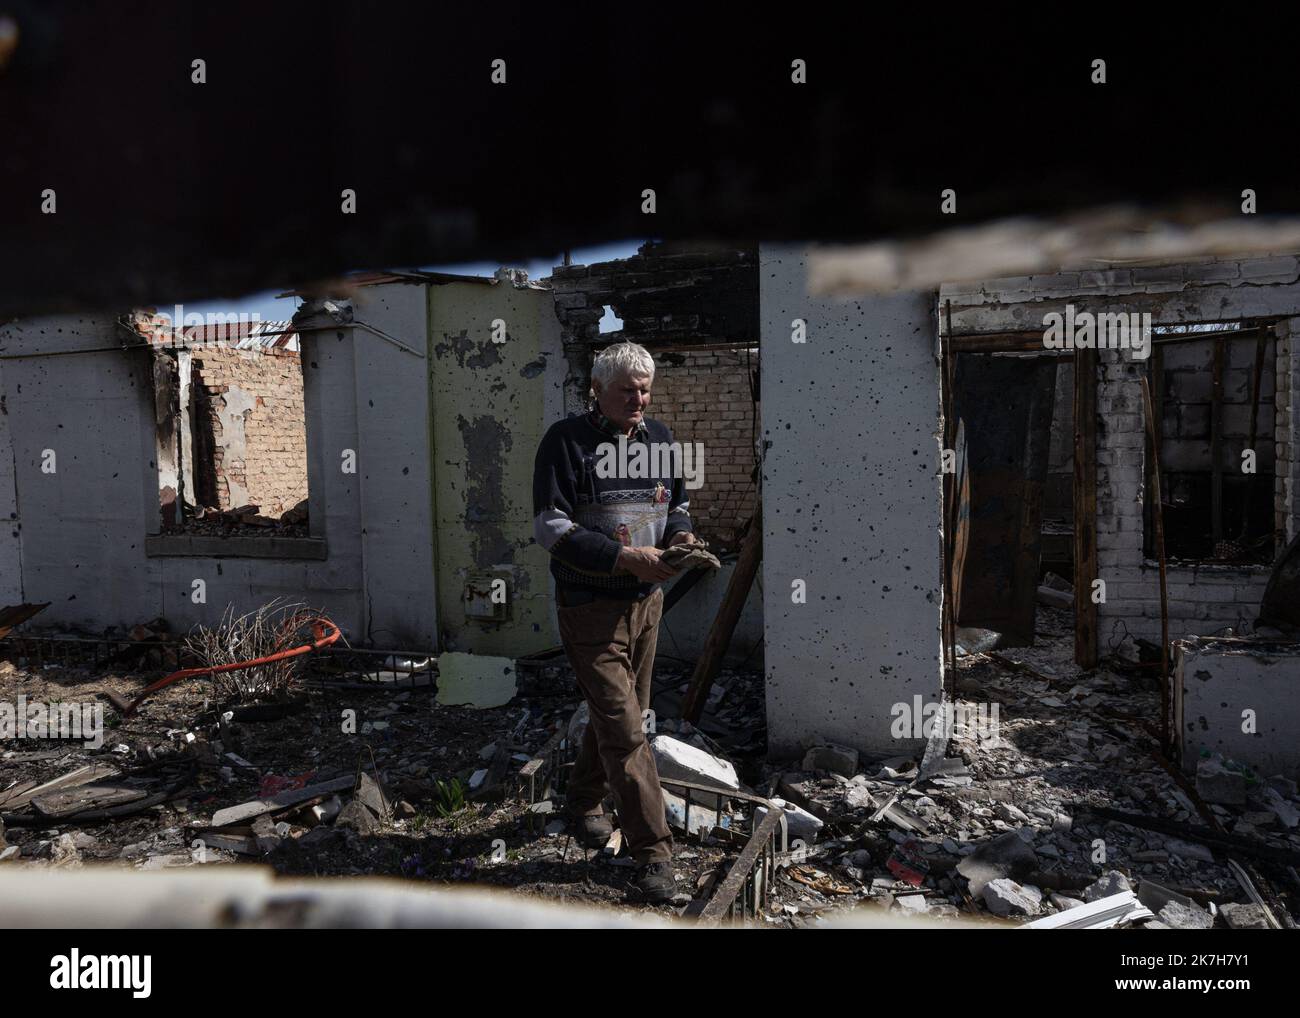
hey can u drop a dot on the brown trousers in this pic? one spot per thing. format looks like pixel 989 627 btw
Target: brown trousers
pixel 611 645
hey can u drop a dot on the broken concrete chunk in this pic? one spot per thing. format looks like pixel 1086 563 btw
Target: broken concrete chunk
pixel 1185 917
pixel 677 759
pixel 1005 856
pixel 371 795
pixel 12 853
pixel 858 796
pixel 356 817
pixel 1283 785
pixel 1006 897
pixel 1244 917
pixel 1215 783
pixel 1113 882
pixel 833 758
pixel 913 903
pixel 859 858
pixel 799 822
pixel 64 851
pixel 1282 809
pixel 1063 902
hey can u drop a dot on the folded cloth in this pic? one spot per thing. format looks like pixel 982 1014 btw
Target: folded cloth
pixel 690 556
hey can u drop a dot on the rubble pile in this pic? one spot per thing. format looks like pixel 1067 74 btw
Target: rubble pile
pixel 1061 814
pixel 244 521
pixel 1012 826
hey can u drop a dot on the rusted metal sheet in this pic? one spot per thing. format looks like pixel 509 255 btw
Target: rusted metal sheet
pixel 1005 407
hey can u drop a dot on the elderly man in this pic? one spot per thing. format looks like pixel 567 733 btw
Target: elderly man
pixel 605 533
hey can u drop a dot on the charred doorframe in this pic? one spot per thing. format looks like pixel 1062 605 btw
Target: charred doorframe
pixel 1084 485
pixel 665 295
pixel 1201 598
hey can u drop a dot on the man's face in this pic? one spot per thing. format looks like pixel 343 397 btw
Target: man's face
pixel 625 400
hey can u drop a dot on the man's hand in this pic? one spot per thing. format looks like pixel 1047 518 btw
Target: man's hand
pixel 683 537
pixel 644 564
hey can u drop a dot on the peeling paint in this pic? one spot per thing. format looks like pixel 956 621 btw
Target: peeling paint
pixel 469 354
pixel 487 441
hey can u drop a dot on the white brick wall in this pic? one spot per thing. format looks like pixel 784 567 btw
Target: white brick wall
pixel 1287 429
pixel 1202 598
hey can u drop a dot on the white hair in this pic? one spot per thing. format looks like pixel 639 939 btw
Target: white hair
pixel 621 359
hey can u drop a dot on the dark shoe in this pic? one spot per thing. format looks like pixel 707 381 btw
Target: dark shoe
pixel 655 883
pixel 593 830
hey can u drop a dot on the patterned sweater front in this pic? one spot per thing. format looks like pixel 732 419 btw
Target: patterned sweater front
pixel 583 518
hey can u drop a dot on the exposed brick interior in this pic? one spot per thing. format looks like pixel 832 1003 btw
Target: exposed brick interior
pixel 663 294
pixel 696 311
pixel 704 396
pixel 266 465
pixel 1286 426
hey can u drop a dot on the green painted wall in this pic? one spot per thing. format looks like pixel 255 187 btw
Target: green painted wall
pixel 490 404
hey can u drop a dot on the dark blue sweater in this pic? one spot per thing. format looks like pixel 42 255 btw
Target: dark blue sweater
pixel 583 519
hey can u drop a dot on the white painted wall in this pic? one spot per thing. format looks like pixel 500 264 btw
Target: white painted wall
pixel 11 578
pixel 392 433
pixel 852 505
pixel 83 539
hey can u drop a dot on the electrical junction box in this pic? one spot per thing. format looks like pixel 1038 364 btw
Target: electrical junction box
pixel 488 595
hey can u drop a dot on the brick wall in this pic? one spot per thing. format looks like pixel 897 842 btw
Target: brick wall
pixel 261 459
pixel 1203 598
pixel 704 396
pixel 1285 430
